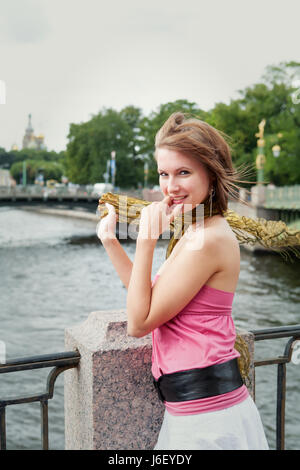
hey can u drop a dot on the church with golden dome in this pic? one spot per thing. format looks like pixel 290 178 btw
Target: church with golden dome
pixel 31 141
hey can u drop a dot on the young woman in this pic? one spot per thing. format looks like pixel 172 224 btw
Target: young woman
pixel 187 307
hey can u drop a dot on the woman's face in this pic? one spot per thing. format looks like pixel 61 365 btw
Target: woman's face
pixel 185 179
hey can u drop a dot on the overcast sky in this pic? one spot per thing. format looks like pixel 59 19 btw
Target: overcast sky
pixel 63 60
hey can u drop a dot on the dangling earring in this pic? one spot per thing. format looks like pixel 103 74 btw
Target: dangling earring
pixel 212 193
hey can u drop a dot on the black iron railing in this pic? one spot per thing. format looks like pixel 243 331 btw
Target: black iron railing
pixel 60 362
pixel 66 360
pixel 293 333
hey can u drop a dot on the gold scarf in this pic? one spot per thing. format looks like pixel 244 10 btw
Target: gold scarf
pixel 274 235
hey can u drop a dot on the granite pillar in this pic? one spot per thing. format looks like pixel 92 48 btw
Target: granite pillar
pixel 258 195
pixel 110 400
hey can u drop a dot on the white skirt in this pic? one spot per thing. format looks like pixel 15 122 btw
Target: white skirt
pixel 238 427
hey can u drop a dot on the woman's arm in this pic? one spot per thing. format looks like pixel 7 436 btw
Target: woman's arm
pixel 140 286
pixel 106 231
pixel 119 259
pixel 155 218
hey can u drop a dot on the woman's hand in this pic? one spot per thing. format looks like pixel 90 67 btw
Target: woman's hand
pixel 156 218
pixel 106 228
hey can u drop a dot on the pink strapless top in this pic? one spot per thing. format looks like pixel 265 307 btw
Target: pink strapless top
pixel 201 334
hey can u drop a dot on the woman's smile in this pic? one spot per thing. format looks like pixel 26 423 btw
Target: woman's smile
pixel 178 199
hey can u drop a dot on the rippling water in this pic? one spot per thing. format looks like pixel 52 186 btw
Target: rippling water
pixel 54 272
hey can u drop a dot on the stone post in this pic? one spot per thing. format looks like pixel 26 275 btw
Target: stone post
pixel 110 400
pixel 243 194
pixel 258 195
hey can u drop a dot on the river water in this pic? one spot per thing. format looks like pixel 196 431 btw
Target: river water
pixel 54 272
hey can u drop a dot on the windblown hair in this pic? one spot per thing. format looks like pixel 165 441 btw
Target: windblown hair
pixel 199 140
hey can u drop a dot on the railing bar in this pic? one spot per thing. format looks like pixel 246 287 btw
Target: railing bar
pixel 24 399
pixel 15 400
pixel 2 428
pixel 267 362
pixel 280 412
pixel 42 357
pixel 61 362
pixel 274 335
pixel 5 368
pixel 44 424
pixel 276 329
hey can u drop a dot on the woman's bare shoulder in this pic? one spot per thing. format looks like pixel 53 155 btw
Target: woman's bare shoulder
pixel 219 239
pixel 218 234
pixel 229 256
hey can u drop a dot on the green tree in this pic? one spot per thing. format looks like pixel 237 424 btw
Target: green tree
pixel 273 101
pixel 4 158
pixel 13 156
pixel 51 170
pixel 91 143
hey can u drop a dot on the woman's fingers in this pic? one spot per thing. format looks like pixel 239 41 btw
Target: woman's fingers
pixel 111 210
pixel 175 211
pixel 166 200
pixel 156 217
pixel 107 225
pixel 110 207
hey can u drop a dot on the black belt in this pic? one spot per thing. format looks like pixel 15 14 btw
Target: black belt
pixel 193 384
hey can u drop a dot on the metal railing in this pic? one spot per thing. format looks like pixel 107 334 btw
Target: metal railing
pixel 284 197
pixel 81 191
pixel 292 332
pixel 60 362
pixel 67 360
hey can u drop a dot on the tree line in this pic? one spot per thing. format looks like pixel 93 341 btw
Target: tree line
pixel 50 163
pixel 131 135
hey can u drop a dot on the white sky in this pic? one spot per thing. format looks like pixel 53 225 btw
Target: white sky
pixel 63 60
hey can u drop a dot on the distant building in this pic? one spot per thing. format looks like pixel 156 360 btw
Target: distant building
pixel 31 141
